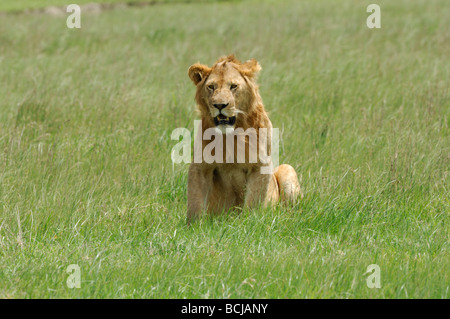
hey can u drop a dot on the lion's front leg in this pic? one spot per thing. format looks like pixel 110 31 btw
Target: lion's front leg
pixel 197 192
pixel 261 188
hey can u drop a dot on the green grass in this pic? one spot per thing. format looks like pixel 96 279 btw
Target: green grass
pixel 86 176
pixel 20 5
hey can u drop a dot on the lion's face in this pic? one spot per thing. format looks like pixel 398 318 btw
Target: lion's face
pixel 225 91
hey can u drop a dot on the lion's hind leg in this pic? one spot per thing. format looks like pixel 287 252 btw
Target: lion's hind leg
pixel 288 183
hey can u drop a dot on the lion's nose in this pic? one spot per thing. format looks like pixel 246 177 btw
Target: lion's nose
pixel 220 106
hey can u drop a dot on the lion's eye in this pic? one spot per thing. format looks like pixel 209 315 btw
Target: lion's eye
pixel 233 86
pixel 211 87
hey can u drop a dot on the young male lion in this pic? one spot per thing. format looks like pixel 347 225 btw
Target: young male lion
pixel 228 97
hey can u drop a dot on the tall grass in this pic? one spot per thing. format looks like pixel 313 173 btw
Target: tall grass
pixel 86 176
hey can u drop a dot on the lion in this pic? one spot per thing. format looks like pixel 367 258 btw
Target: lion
pixel 228 98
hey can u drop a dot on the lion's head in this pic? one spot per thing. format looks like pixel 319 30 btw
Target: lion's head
pixel 227 93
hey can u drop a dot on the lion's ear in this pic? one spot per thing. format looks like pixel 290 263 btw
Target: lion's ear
pixel 251 68
pixel 198 72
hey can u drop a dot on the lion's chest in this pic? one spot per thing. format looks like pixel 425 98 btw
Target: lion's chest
pixel 231 180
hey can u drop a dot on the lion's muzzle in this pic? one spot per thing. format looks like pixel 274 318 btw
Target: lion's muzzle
pixel 224 120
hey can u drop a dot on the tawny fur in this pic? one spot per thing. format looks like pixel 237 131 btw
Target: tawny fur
pixel 217 187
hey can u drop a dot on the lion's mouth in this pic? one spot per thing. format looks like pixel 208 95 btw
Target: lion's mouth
pixel 224 120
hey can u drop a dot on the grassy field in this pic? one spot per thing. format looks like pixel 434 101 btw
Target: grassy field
pixel 23 5
pixel 86 177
